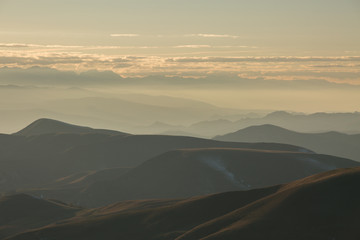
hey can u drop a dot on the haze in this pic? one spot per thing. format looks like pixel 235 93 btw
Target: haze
pixel 250 56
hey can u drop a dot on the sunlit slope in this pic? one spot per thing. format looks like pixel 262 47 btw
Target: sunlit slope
pixel 324 206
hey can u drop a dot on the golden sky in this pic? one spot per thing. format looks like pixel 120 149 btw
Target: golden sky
pixel 275 39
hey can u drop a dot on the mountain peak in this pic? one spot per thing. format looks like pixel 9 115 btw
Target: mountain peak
pixel 47 126
pixel 256 131
pixel 265 126
pixel 278 114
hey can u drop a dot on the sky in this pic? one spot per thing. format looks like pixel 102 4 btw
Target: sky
pixel 146 37
pixel 230 53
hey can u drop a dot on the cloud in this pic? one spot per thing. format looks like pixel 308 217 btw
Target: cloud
pixel 41 60
pixel 36 47
pixel 124 35
pixel 263 59
pixel 14 45
pixel 120 60
pixel 278 68
pixel 29 45
pixel 333 66
pixel 237 46
pixel 193 46
pixel 121 65
pixel 117 47
pixel 205 35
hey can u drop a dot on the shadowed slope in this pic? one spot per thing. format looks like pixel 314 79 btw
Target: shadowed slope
pixel 22 212
pixel 84 179
pixel 332 143
pixel 68 188
pixel 38 160
pixel 185 173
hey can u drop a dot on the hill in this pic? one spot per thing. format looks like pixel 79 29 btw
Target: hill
pixel 319 207
pixel 332 143
pixel 190 172
pixel 46 126
pixel 324 206
pixel 22 212
pixel 147 219
pixel 37 160
pixel 68 188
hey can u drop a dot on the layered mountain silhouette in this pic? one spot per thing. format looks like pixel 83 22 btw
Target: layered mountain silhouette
pixel 157 187
pixel 332 143
pixel 29 159
pixel 323 206
pixel 316 122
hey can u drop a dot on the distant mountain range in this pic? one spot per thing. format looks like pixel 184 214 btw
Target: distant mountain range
pixel 323 206
pixel 43 76
pixel 76 97
pixel 134 113
pixel 332 143
pixel 317 122
pixel 107 100
pixel 309 123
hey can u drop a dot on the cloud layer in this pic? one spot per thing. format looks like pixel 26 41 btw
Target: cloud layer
pixel 84 58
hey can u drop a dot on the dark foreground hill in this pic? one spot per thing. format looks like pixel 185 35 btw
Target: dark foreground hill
pixel 320 207
pixel 324 206
pixel 332 143
pixel 21 212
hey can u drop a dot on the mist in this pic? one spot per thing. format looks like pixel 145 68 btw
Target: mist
pixel 157 104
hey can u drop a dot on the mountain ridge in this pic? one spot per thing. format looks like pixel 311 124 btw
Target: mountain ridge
pixel 46 126
pixel 190 172
pixel 332 143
